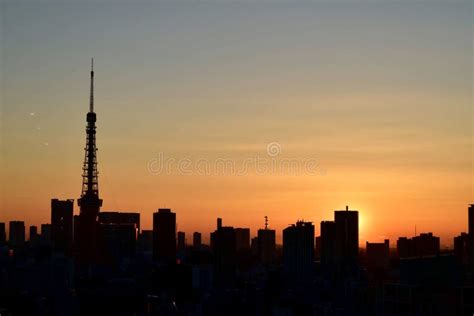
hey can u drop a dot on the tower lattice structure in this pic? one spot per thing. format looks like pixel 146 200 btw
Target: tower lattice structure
pixel 88 240
pixel 90 181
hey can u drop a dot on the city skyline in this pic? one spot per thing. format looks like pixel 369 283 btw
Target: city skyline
pixel 417 174
pixel 236 158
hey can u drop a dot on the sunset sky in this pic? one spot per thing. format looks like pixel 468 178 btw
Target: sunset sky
pixel 378 93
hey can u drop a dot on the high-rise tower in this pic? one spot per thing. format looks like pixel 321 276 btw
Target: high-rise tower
pixel 61 225
pixel 87 240
pixel 89 201
pixel 164 236
pixel 298 252
pixel 347 238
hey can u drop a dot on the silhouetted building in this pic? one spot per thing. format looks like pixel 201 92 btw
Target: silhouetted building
pixel 427 244
pixel 328 243
pixel 33 232
pixel 266 245
pixel 3 234
pixel 298 252
pixel 423 245
pixel 88 242
pixel 254 246
pixel 317 247
pixel 119 232
pixel 428 285
pixel 462 245
pixel 197 239
pixel 145 241
pixel 347 237
pixel 164 236
pixel 46 234
pixel 224 248
pixel 121 218
pixel 62 225
pixel 16 233
pixel 202 269
pixel 181 240
pixel 404 247
pixel 430 271
pixel 378 255
pixel 75 224
pixel 120 240
pixel 242 238
pixel 471 219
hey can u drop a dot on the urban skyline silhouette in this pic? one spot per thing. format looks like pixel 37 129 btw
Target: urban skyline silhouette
pixel 239 159
pixel 93 244
pixel 202 167
pixel 388 126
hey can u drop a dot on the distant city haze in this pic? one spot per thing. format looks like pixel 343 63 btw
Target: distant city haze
pixel 378 94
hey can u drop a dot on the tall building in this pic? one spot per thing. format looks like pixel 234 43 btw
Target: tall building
pixel 298 252
pixel 328 243
pixel 164 236
pixel 378 255
pixel 16 233
pixel 471 219
pixel 88 241
pixel 464 243
pixel 3 234
pixel 404 247
pixel 33 232
pixel 266 245
pixel 347 237
pixel 224 248
pixel 242 238
pixel 62 225
pixel 197 239
pixel 181 240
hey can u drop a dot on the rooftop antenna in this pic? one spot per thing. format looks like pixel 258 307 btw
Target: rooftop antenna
pixel 266 222
pixel 91 102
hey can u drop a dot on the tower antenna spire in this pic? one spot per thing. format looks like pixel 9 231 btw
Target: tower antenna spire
pixel 91 102
pixel 88 249
pixel 90 184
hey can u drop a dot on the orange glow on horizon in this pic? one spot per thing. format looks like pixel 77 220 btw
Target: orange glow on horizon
pixel 386 117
